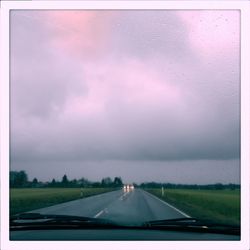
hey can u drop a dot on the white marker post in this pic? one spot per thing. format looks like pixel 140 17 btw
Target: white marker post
pixel 162 191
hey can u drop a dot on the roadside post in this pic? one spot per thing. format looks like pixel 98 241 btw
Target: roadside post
pixel 162 191
pixel 81 192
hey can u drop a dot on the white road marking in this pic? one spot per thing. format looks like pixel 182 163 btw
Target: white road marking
pixel 123 195
pixel 186 215
pixel 105 210
pixel 98 214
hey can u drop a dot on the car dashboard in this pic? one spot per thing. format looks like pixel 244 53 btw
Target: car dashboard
pixel 117 234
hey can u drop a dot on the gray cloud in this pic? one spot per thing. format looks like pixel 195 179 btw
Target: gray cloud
pixel 41 78
pixel 151 33
pixel 187 172
pixel 191 113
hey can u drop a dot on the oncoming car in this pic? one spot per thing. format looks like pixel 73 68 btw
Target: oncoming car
pixel 128 187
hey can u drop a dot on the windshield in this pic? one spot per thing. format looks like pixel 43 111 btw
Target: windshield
pixel 128 116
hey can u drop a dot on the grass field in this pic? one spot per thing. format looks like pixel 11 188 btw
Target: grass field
pixel 215 205
pixel 26 199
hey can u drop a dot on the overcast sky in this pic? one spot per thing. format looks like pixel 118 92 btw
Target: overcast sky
pixel 145 95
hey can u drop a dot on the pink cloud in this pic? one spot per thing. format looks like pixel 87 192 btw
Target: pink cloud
pixel 213 33
pixel 131 83
pixel 79 32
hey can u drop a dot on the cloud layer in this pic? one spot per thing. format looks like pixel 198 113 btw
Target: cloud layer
pixel 125 85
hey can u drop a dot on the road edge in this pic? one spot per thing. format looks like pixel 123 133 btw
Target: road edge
pixel 164 202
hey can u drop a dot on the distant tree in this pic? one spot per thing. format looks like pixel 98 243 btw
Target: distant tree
pixel 118 182
pixel 34 182
pixel 18 179
pixel 84 182
pixel 65 180
pixel 23 178
pixel 106 182
pixel 13 175
pixel 96 184
pixel 73 183
pixel 218 186
pixel 231 186
pixel 53 183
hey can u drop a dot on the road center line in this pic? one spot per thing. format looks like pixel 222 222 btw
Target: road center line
pixel 186 215
pixel 98 214
pixel 105 210
pixel 122 196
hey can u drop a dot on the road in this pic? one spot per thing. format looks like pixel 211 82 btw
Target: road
pixel 128 207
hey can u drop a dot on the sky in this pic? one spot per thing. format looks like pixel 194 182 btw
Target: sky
pixel 145 95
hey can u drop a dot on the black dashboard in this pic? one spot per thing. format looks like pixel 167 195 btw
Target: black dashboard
pixel 117 234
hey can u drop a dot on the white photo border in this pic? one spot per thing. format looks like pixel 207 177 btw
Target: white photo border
pixel 244 8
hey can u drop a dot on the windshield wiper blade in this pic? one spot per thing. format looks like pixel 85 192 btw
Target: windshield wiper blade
pixel 172 221
pixel 38 216
pixel 37 220
pixel 27 221
pixel 193 224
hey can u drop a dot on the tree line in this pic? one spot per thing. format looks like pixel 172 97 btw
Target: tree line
pixel 216 186
pixel 19 179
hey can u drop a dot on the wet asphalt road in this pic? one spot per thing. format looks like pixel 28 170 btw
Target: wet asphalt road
pixel 135 206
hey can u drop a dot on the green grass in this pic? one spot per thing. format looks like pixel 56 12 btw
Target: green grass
pixel 27 199
pixel 216 205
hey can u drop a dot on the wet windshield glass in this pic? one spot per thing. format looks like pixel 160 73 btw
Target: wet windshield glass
pixel 130 116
